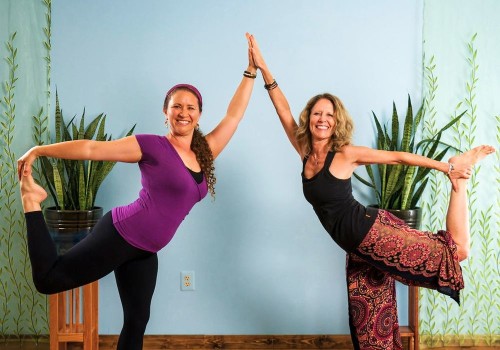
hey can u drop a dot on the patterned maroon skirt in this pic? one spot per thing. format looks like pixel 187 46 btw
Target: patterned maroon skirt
pixel 413 257
pixel 393 251
pixel 373 315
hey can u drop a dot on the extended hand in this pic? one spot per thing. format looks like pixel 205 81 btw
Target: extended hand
pixel 459 171
pixel 24 163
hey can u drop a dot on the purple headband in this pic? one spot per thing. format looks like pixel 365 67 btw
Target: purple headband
pixel 190 88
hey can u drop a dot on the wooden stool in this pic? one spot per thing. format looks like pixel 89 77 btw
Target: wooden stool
pixel 69 323
pixel 411 331
pixel 413 316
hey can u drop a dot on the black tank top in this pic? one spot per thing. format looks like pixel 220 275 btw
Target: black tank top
pixel 197 176
pixel 343 217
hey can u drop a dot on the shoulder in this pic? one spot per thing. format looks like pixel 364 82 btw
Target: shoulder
pixel 149 139
pixel 152 144
pixel 350 151
pixel 303 153
pixel 354 154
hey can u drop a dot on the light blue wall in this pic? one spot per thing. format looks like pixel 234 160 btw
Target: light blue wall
pixel 23 91
pixel 263 263
pixel 26 19
pixel 453 30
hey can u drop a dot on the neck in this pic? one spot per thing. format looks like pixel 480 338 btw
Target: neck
pixel 181 141
pixel 320 147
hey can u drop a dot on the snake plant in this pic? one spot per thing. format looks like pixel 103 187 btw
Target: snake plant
pixel 73 184
pixel 399 187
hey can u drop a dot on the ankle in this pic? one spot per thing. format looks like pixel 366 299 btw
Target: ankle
pixel 29 203
pixel 461 185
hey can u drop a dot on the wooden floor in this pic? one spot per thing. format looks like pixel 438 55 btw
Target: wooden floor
pixel 11 346
pixel 24 346
pixel 233 342
pixel 211 342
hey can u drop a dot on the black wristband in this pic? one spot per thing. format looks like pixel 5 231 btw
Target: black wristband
pixel 249 74
pixel 271 86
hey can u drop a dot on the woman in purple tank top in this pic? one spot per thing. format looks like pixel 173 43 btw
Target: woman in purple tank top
pixel 380 248
pixel 177 171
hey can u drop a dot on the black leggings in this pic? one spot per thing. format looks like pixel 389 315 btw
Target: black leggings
pixel 102 251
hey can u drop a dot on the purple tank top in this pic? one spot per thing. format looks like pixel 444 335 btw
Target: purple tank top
pixel 168 193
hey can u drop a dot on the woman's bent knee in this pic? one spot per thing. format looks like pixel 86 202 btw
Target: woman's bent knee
pixel 45 286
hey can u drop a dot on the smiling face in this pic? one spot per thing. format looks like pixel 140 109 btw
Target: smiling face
pixel 322 120
pixel 324 117
pixel 183 112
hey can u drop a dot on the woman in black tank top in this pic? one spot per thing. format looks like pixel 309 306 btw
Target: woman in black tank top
pixel 380 247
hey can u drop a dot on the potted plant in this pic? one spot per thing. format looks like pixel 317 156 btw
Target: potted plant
pixel 73 184
pixel 398 188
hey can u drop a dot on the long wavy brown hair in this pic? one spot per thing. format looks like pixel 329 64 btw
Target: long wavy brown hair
pixel 344 125
pixel 199 145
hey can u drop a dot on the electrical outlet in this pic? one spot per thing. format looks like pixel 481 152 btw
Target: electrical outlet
pixel 187 280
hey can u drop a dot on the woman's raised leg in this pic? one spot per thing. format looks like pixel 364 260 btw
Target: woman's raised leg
pixel 457 217
pixel 95 256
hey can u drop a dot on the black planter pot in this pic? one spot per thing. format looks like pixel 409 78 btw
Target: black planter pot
pixel 412 217
pixel 68 227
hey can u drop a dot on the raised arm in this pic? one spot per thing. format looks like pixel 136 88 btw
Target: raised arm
pixel 122 150
pixel 277 97
pixel 219 137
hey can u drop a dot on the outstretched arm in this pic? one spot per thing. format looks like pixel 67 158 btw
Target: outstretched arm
pixel 357 155
pixel 122 150
pixel 277 97
pixel 365 155
pixel 219 137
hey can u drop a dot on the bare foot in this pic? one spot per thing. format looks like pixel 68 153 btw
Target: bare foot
pixel 32 194
pixel 472 156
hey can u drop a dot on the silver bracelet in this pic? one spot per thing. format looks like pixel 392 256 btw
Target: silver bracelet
pixel 450 169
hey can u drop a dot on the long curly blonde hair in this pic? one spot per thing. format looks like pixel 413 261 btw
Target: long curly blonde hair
pixel 199 144
pixel 344 125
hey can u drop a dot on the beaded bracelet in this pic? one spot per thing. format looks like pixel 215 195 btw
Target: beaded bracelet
pixel 250 75
pixel 271 86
